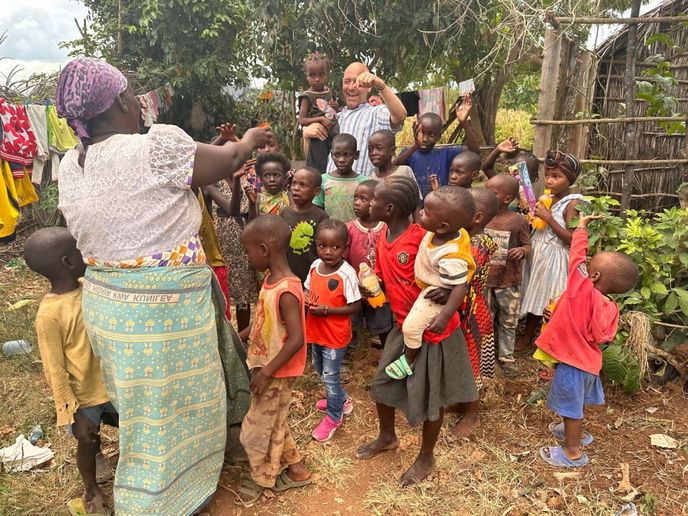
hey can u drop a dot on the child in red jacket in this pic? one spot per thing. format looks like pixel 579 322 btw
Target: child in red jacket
pixel 584 318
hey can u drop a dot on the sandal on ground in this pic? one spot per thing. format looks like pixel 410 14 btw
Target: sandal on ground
pixel 555 456
pixel 557 429
pixel 284 482
pixel 547 374
pixel 248 493
pixel 77 507
pixel 509 369
pixel 399 369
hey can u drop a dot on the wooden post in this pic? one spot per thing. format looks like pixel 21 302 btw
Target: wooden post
pixel 629 90
pixel 547 98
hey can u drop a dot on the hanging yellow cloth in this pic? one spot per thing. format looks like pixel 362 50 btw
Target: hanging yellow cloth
pixel 61 138
pixel 14 193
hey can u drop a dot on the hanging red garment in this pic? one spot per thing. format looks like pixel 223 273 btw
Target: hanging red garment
pixel 18 140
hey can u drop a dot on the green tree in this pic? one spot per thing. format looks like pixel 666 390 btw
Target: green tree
pixel 193 45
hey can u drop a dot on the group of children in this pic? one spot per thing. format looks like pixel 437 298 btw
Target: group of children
pixel 458 265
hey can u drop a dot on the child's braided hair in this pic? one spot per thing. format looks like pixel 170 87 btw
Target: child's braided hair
pixel 316 57
pixel 403 193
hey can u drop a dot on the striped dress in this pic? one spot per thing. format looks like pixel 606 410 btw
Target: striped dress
pixel 544 276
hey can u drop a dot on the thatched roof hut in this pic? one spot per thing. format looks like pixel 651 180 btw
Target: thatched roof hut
pixel 655 185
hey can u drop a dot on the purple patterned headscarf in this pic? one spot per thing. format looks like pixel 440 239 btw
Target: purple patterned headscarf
pixel 87 87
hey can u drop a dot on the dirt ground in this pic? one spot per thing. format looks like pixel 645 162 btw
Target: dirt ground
pixel 496 472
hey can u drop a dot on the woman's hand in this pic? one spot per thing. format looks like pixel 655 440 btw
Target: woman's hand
pixel 257 137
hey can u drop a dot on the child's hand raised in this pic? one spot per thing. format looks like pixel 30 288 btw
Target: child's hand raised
pixel 585 219
pixel 508 146
pixel 434 182
pixel 227 132
pixel 417 132
pixel 464 108
pixel 251 194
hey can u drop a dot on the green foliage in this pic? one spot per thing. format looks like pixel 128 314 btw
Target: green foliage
pixel 659 245
pixel 516 123
pixel 620 366
pixel 193 45
pixel 521 93
pixel 658 81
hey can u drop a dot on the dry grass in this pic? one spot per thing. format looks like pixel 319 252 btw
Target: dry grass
pixel 498 472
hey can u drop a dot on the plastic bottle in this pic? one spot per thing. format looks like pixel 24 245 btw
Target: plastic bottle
pixel 16 347
pixel 546 200
pixel 35 434
pixel 370 282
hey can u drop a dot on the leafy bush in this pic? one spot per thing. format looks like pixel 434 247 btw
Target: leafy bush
pixel 516 123
pixel 620 366
pixel 659 245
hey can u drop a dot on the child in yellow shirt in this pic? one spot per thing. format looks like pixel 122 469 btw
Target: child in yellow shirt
pixel 71 368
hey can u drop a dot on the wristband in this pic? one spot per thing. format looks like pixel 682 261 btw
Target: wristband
pixel 325 309
pixel 384 87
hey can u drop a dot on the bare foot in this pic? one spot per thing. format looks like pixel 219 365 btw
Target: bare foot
pixel 299 472
pixel 369 450
pixel 464 428
pixel 420 469
pixel 94 501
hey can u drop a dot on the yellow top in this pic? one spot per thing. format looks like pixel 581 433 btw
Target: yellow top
pixel 208 236
pixel 71 368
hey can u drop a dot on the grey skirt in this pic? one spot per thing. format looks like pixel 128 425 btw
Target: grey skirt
pixel 442 376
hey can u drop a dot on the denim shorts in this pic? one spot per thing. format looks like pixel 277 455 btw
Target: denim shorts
pixel 377 320
pixel 103 413
pixel 572 389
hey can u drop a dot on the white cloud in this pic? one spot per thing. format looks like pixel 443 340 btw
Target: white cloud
pixel 34 32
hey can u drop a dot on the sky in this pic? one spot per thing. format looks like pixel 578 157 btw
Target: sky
pixel 34 31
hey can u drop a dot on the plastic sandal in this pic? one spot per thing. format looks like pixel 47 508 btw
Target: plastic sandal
pixel 284 482
pixel 557 429
pixel 555 456
pixel 399 369
pixel 252 491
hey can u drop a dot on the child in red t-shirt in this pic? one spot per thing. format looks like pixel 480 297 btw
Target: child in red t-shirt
pixel 332 298
pixel 363 236
pixel 584 318
pixel 442 371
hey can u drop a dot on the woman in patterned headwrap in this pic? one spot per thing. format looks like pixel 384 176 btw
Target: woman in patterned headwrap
pixel 546 269
pixel 148 303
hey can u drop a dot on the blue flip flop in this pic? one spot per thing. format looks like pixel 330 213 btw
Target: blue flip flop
pixel 557 429
pixel 557 457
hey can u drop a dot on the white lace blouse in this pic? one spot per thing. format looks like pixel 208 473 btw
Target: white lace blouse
pixel 133 196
